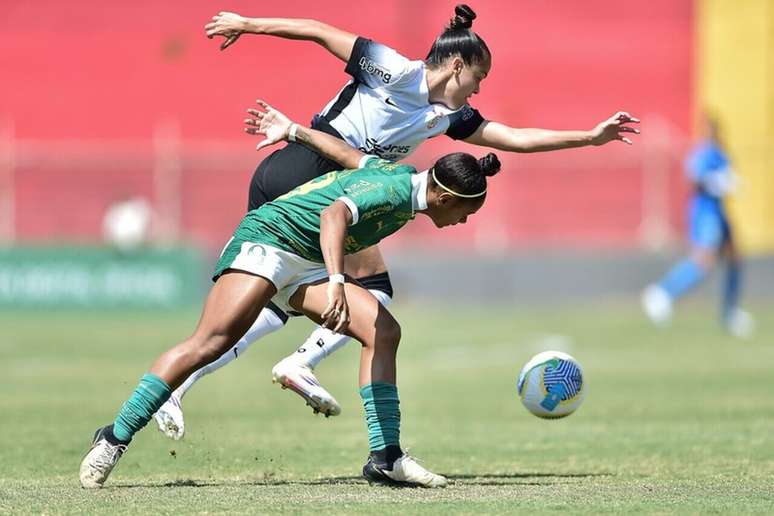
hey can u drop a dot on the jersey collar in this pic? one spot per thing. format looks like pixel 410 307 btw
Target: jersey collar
pixel 419 191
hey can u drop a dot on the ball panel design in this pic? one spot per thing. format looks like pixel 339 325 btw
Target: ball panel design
pixel 550 385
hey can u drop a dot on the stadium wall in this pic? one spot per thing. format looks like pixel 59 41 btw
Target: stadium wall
pixel 104 100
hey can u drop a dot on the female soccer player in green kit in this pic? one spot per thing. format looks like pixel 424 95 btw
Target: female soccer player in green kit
pixel 283 251
pixel 390 107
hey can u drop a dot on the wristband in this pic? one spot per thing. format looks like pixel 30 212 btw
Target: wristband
pixel 292 132
pixel 336 278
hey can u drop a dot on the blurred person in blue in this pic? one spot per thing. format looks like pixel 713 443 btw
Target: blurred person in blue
pixel 710 237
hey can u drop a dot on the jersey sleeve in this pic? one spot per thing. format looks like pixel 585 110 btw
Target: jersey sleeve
pixel 376 65
pixel 368 198
pixel 464 122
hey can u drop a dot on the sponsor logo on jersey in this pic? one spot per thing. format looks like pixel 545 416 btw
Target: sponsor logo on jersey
pixel 467 112
pixel 374 69
pixel 391 152
pixel 391 102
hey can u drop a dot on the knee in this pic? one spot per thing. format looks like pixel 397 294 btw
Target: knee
pixel 202 350
pixel 704 259
pixel 388 335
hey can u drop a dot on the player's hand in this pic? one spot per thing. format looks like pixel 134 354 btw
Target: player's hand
pixel 269 122
pixel 228 25
pixel 335 317
pixel 614 128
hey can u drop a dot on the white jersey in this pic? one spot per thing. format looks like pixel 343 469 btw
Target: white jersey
pixel 385 109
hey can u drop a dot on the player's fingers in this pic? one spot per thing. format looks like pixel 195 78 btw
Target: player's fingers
pixel 255 112
pixel 627 129
pixel 626 117
pixel 342 325
pixel 328 311
pixel 262 144
pixel 263 104
pixel 229 41
pixel 340 314
pixel 627 141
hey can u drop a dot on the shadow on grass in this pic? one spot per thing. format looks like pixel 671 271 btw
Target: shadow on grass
pixel 480 480
pixel 533 479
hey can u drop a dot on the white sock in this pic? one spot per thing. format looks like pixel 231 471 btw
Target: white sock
pixel 322 342
pixel 266 323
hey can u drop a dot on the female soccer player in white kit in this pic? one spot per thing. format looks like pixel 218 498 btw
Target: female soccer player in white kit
pixel 390 106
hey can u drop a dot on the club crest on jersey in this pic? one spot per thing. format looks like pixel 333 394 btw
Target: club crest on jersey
pixel 374 69
pixel 434 120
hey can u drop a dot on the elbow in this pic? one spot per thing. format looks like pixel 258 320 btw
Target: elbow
pixel 314 30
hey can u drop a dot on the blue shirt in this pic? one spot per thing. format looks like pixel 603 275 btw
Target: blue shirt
pixel 709 169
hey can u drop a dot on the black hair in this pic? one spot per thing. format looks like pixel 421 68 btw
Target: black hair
pixel 458 40
pixel 463 173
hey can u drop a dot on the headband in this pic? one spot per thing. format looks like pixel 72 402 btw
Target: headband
pixel 466 196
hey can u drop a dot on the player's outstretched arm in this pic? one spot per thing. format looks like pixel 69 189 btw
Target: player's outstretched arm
pixel 277 127
pixel 502 137
pixel 230 26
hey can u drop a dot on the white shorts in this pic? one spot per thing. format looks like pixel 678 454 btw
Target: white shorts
pixel 287 271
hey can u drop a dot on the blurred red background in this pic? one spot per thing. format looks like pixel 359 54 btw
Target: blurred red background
pixel 103 100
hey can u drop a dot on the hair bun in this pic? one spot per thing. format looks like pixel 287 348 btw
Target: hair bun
pixel 463 17
pixel 490 165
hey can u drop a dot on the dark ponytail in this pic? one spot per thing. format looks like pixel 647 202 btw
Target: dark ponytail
pixel 463 17
pixel 462 173
pixel 489 164
pixel 458 39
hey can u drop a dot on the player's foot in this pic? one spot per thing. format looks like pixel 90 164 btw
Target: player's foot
pixel 657 305
pixel 405 472
pixel 301 380
pixel 169 417
pixel 101 459
pixel 739 323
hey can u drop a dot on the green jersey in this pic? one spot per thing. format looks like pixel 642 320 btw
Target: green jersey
pixel 378 195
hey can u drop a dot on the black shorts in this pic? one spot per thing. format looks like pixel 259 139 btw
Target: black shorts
pixel 285 169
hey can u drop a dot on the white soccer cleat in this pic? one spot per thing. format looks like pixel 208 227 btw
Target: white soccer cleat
pixel 100 461
pixel 301 380
pixel 740 324
pixel 406 471
pixel 657 305
pixel 170 419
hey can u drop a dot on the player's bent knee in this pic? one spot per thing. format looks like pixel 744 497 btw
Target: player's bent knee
pixel 388 334
pixel 206 350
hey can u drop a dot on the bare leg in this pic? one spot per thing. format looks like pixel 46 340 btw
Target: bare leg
pixel 372 325
pixel 231 308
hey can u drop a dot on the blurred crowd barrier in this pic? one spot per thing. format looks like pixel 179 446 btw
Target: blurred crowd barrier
pixel 624 197
pixel 92 277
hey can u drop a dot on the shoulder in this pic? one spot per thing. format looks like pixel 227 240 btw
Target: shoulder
pixel 377 65
pixel 464 122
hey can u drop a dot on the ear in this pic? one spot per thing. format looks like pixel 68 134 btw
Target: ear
pixel 445 198
pixel 456 65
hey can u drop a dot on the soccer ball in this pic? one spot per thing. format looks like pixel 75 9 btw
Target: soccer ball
pixel 551 385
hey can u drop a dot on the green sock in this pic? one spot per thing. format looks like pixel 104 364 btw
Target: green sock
pixel 380 401
pixel 150 394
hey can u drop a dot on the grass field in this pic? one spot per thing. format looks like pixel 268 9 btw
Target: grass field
pixel 678 421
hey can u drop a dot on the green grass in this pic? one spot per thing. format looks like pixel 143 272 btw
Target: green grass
pixel 677 421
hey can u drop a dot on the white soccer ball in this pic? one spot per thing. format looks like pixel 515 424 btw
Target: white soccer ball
pixel 551 385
